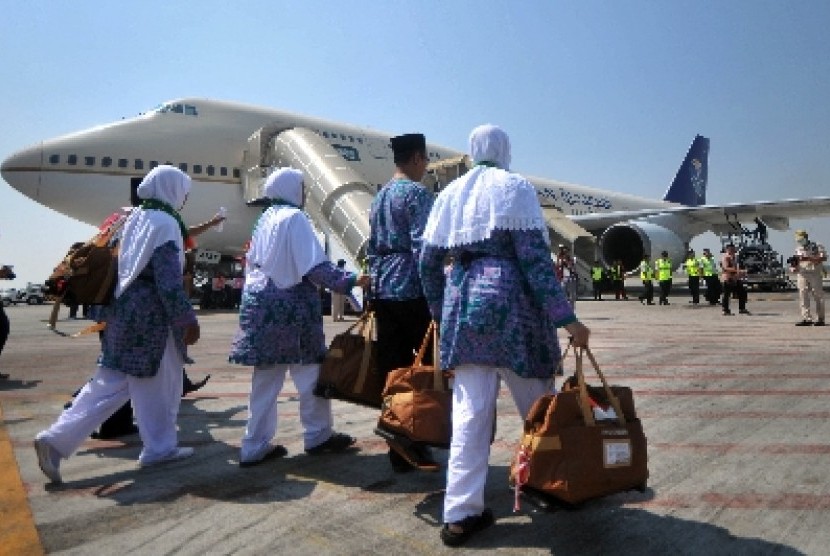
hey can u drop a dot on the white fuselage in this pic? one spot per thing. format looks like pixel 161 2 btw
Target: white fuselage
pixel 88 174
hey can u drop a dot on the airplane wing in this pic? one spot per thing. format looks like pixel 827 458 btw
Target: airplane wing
pixel 717 218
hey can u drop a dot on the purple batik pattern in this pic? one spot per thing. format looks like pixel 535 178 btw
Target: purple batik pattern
pixel 139 320
pixel 398 216
pixel 280 326
pixel 499 304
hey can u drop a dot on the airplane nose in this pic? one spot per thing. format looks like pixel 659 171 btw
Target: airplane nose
pixel 22 169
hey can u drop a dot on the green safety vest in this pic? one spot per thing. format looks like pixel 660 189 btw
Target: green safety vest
pixel 708 266
pixel 646 272
pixel 692 267
pixel 596 273
pixel 664 268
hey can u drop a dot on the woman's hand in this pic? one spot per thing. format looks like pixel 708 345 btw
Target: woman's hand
pixel 579 334
pixel 191 334
pixel 363 280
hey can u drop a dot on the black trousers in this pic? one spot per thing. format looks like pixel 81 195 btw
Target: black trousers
pixel 694 288
pixel 665 289
pixel 737 289
pixel 648 291
pixel 4 327
pixel 401 329
pixel 712 289
pixel 597 289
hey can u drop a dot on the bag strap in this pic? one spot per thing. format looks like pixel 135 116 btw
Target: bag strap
pixel 615 402
pixel 367 330
pixel 437 374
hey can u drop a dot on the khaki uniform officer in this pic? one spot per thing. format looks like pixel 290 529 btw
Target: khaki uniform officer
pixel 809 259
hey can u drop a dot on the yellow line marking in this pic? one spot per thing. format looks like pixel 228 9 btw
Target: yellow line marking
pixel 17 525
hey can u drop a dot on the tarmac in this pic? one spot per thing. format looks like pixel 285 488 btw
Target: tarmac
pixel 735 409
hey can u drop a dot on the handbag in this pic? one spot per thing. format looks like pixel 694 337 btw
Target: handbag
pixel 574 449
pixel 417 400
pixel 348 371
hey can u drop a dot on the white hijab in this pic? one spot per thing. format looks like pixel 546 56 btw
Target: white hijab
pixel 146 230
pixel 284 247
pixel 486 198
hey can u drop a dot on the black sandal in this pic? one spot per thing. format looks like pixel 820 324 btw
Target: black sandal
pixel 469 526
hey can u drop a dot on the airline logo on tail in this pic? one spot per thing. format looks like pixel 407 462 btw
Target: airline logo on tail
pixel 689 185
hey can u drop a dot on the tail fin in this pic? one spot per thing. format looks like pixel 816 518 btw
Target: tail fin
pixel 689 185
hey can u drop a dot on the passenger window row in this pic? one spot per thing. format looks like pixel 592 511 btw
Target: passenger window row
pixel 353 139
pixel 138 164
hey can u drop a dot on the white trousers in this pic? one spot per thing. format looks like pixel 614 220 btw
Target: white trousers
pixel 475 389
pixel 266 384
pixel 155 405
pixel 810 284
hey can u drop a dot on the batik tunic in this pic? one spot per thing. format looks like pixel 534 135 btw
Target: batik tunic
pixel 398 216
pixel 280 326
pixel 499 304
pixel 138 322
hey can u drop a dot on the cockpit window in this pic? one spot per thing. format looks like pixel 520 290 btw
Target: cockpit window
pixel 177 108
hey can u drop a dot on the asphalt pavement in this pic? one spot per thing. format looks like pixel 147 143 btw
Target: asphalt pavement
pixel 735 410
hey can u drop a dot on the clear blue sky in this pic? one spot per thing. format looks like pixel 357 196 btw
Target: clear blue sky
pixel 602 93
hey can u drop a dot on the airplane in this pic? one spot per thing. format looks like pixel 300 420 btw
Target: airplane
pixel 228 148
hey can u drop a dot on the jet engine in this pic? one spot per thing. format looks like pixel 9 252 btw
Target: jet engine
pixel 628 241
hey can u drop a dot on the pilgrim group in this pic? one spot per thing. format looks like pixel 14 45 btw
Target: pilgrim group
pixel 476 259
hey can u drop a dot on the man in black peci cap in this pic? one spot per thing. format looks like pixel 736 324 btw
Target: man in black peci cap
pixel 398 216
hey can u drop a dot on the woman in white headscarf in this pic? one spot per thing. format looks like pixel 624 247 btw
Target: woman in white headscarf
pixel 148 326
pixel 498 308
pixel 281 323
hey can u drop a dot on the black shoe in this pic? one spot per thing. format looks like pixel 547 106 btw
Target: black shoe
pixel 469 526
pixel 744 312
pixel 818 323
pixel 727 313
pixel 399 464
pixel 804 323
pixel 337 442
pixel 650 303
pixel 275 452
pixel 189 386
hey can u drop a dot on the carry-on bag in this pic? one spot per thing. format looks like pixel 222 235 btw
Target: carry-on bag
pixel 582 442
pixel 417 400
pixel 348 372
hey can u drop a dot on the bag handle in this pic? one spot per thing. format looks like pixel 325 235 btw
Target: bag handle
pixel 437 375
pixel 583 389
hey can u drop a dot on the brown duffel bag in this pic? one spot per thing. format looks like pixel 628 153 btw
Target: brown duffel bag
pixel 568 453
pixel 417 400
pixel 348 372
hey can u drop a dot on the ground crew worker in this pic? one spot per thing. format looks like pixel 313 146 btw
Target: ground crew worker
pixel 710 276
pixel 596 280
pixel 809 258
pixel 693 271
pixel 663 267
pixel 647 276
pixel 617 279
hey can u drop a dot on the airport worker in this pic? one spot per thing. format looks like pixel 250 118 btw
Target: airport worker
pixel 281 322
pixel 710 276
pixel 809 266
pixel 663 267
pixel 618 280
pixel 397 218
pixel 148 326
pixel 646 272
pixel 498 310
pixel 693 272
pixel 732 284
pixel 566 272
pixel 6 273
pixel 338 300
pixel 597 275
